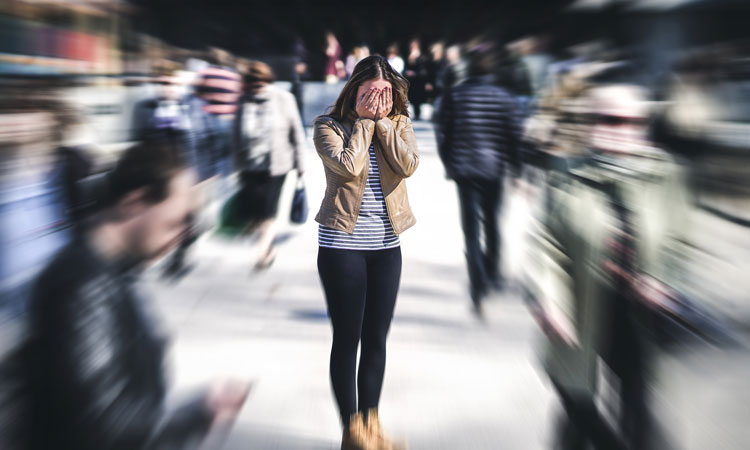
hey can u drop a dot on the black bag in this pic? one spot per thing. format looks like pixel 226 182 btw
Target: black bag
pixel 300 209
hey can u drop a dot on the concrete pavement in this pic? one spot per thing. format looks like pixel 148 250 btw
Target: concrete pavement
pixel 451 382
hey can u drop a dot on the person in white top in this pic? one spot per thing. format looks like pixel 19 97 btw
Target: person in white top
pixel 394 60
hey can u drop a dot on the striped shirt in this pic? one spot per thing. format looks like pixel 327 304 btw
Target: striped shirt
pixel 222 88
pixel 373 230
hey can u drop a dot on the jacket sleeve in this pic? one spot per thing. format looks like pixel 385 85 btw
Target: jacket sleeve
pixel 399 148
pixel 296 133
pixel 119 406
pixel 347 160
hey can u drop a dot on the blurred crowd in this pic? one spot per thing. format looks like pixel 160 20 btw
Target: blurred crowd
pixel 636 245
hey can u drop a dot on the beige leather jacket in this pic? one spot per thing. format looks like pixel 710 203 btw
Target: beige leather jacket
pixel 343 147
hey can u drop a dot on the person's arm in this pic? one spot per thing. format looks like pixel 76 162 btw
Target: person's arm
pixel 296 134
pixel 399 147
pixel 345 159
pixel 116 404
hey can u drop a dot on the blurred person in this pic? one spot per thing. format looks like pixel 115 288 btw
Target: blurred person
pixel 334 66
pixel 533 53
pixel 477 143
pixel 95 354
pixel 220 86
pixel 416 72
pixel 301 74
pixel 435 67
pixel 455 70
pixel 270 142
pixel 704 119
pixel 368 149
pixel 73 165
pixel 452 73
pixel 36 213
pixel 615 209
pixel 187 119
pixel 394 59
pixel 357 55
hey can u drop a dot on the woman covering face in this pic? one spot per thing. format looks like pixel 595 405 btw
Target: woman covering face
pixel 368 149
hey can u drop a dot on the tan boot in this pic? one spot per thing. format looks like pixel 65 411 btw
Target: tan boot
pixel 375 430
pixel 356 436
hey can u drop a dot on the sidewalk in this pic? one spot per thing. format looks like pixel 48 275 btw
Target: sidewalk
pixel 451 382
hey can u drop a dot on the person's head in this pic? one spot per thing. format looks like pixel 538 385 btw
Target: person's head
pixel 165 77
pixel 392 51
pixel 220 57
pixel 437 50
pixel 257 77
pixel 453 54
pixel 483 60
pixel 373 71
pixel 415 45
pixel 621 113
pixel 149 198
pixel 364 51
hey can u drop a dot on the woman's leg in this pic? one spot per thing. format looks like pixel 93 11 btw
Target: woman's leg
pixel 267 227
pixel 383 277
pixel 266 235
pixel 343 274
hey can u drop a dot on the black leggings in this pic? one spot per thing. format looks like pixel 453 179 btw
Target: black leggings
pixel 360 288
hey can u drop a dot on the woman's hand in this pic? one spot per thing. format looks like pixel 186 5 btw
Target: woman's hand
pixel 385 103
pixel 367 106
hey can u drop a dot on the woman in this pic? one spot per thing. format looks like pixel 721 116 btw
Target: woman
pixel 334 65
pixel 357 55
pixel 368 148
pixel 270 143
pixel 416 73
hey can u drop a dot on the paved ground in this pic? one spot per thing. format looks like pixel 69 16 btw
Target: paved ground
pixel 451 382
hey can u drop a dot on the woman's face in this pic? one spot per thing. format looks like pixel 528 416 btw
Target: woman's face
pixel 377 83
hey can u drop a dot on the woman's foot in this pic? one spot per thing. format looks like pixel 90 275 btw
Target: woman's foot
pixel 375 431
pixel 356 436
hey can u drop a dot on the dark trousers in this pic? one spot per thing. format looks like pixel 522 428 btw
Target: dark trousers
pixel 627 357
pixel 582 425
pixel 480 205
pixel 360 288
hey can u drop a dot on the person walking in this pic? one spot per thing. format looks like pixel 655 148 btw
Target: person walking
pixel 394 59
pixel 270 142
pixel 477 141
pixel 334 70
pixel 94 356
pixel 368 148
pixel 358 54
pixel 416 72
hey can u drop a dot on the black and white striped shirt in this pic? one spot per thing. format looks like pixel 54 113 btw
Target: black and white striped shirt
pixel 373 230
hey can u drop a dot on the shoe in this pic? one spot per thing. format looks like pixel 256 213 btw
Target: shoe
pixel 355 435
pixel 478 312
pixel 375 430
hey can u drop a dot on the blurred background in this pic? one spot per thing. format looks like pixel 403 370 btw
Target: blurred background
pixel 624 221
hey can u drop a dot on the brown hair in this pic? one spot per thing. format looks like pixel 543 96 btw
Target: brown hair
pixel 150 164
pixel 371 68
pixel 258 71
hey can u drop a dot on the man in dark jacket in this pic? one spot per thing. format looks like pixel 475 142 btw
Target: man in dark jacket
pixel 478 141
pixel 94 355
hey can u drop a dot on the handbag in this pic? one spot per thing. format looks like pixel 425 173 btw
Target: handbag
pixel 300 209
